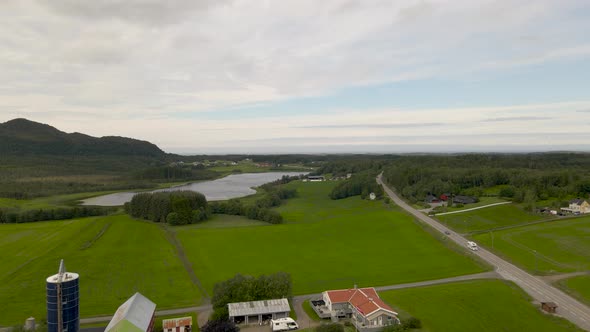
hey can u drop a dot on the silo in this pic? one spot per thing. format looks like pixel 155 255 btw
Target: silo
pixel 63 311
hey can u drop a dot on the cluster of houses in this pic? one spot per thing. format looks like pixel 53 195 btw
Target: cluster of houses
pixel 447 198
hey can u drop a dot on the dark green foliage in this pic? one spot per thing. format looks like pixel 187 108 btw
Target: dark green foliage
pixel 547 175
pixel 412 323
pixel 260 210
pixel 362 184
pixel 248 288
pixel 24 137
pixel 174 207
pixel 332 327
pixel 221 325
pixel 172 173
pixel 17 216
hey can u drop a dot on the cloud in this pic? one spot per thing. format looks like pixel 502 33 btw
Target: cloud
pixel 518 118
pixel 374 125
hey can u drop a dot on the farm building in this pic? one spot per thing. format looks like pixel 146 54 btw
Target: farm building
pixel 182 324
pixel 464 199
pixel 431 199
pixel 256 312
pixel 577 205
pixel 362 305
pixel 135 315
pixel 549 307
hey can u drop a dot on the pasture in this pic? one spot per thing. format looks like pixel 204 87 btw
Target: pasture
pixel 545 248
pixel 579 287
pixel 115 256
pixel 488 218
pixel 326 244
pixel 479 305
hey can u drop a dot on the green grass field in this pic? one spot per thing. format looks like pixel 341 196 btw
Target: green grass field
pixel 326 244
pixel 578 287
pixel 488 218
pixel 560 246
pixel 115 256
pixel 482 305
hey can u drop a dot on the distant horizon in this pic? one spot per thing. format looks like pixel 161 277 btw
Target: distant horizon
pixel 303 76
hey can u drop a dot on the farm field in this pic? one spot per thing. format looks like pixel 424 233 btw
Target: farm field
pixel 115 256
pixel 579 287
pixel 546 248
pixel 481 305
pixel 488 218
pixel 326 244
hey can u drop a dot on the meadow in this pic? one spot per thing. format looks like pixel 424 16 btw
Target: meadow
pixel 578 287
pixel 489 218
pixel 480 305
pixel 545 248
pixel 326 244
pixel 115 256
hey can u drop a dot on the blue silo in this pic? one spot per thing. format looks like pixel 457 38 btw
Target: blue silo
pixel 63 305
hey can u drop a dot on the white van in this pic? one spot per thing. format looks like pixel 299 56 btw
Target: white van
pixel 472 245
pixel 283 324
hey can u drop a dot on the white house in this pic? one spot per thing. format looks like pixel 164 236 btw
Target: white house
pixel 578 205
pixel 362 305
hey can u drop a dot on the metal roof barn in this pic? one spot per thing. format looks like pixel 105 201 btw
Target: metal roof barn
pixel 277 308
pixel 135 315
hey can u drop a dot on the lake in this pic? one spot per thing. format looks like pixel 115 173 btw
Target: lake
pixel 231 186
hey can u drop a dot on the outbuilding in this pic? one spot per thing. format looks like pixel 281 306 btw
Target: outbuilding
pixel 257 312
pixel 549 307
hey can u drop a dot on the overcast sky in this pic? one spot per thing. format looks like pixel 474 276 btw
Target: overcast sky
pixel 225 76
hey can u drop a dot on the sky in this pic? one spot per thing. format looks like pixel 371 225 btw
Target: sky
pixel 303 76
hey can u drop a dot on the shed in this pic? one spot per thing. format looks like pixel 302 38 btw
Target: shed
pixel 182 324
pixel 549 307
pixel 256 312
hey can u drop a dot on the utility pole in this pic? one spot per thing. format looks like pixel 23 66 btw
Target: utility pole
pixel 492 233
pixel 536 265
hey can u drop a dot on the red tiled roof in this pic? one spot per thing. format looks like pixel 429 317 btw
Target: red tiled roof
pixel 365 300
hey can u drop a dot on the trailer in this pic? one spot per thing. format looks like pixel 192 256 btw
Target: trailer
pixel 283 324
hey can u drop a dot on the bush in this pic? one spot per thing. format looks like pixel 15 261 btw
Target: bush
pixel 412 323
pixel 332 327
pixel 224 325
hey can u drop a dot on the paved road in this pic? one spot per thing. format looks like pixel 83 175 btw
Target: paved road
pixel 541 291
pixel 471 209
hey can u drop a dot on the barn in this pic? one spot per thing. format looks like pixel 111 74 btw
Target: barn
pixel 257 312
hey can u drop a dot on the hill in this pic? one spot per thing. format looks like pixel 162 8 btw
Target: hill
pixel 24 137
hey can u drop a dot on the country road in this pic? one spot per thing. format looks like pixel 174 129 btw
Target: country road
pixel 568 307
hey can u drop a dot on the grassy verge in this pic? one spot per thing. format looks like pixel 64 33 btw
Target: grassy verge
pixel 482 305
pixel 488 218
pixel 546 248
pixel 578 287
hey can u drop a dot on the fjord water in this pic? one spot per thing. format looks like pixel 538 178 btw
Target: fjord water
pixel 231 186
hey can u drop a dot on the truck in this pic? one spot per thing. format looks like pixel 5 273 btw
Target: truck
pixel 472 245
pixel 283 324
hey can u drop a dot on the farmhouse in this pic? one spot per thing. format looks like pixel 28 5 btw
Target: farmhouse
pixel 257 312
pixel 135 315
pixel 431 199
pixel 182 324
pixel 362 305
pixel 578 205
pixel 464 199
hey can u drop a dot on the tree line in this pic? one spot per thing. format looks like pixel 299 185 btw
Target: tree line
pixel 173 207
pixel 523 178
pixel 362 183
pixel 45 214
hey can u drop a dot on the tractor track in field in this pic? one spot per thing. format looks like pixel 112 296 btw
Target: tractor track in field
pixel 171 235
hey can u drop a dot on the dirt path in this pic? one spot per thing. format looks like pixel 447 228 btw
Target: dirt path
pixel 171 235
pixel 471 209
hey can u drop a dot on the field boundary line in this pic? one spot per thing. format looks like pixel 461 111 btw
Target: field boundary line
pixel 483 231
pixel 471 209
pixel 173 240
